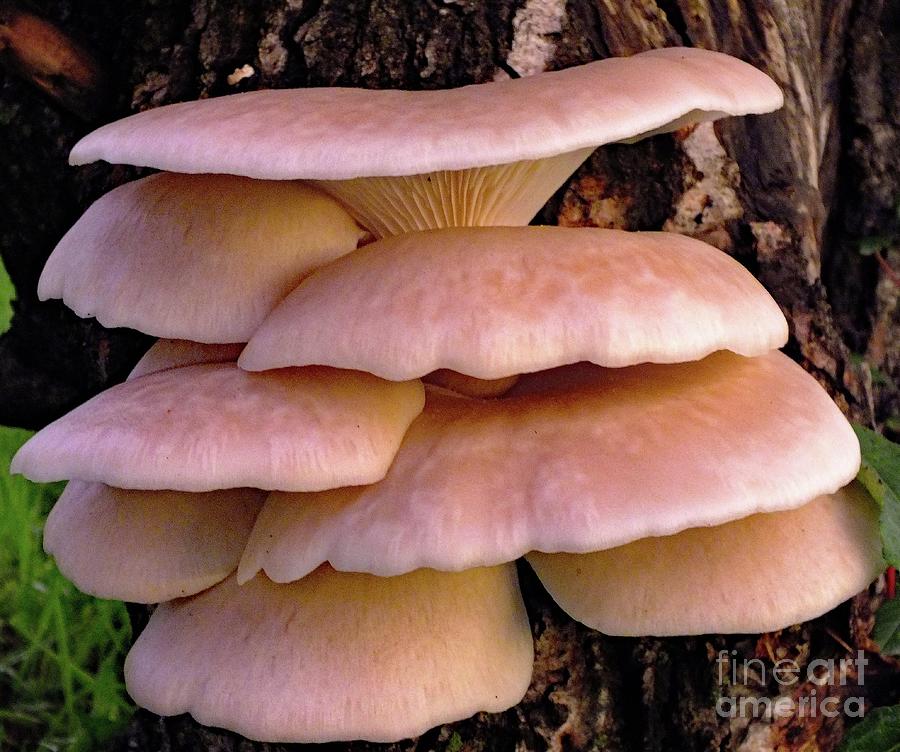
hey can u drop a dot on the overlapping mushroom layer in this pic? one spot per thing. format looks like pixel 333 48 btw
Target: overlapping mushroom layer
pixel 410 160
pixel 648 423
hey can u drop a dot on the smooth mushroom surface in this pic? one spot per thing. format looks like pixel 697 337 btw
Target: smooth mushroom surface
pixel 493 302
pixel 148 546
pixel 337 656
pixel 575 464
pixel 198 257
pixel 213 426
pixel 757 574
pixel 166 354
pixel 418 136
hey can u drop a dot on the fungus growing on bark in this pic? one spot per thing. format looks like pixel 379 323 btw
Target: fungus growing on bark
pixel 400 164
pixel 148 546
pixel 577 459
pixel 338 656
pixel 494 302
pixel 573 462
pixel 756 574
pixel 206 427
pixel 198 257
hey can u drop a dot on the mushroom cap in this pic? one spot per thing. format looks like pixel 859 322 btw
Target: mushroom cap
pixel 148 546
pixel 199 257
pixel 757 574
pixel 206 427
pixel 166 354
pixel 337 656
pixel 492 302
pixel 594 459
pixel 335 133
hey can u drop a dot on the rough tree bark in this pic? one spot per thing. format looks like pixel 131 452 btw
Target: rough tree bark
pixel 791 195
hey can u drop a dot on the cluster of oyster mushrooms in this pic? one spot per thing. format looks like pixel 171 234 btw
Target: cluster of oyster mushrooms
pixel 376 389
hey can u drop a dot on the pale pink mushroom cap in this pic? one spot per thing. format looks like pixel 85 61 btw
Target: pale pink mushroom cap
pixel 207 427
pixel 492 302
pixel 335 133
pixel 148 546
pixel 488 154
pixel 337 656
pixel 576 460
pixel 165 354
pixel 199 257
pixel 757 574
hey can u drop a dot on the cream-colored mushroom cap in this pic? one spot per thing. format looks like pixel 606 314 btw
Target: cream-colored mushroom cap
pixel 148 546
pixel 603 458
pixel 492 302
pixel 757 574
pixel 206 427
pixel 411 145
pixel 199 257
pixel 165 354
pixel 337 656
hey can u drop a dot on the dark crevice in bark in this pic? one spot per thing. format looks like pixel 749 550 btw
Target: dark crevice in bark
pixel 675 18
pixel 868 192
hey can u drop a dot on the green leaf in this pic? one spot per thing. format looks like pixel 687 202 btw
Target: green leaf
pixel 887 627
pixel 7 296
pixel 60 651
pixel 880 474
pixel 878 732
pixel 874 244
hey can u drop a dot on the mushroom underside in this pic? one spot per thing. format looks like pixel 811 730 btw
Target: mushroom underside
pixel 331 657
pixel 505 194
pixel 753 575
pixel 148 546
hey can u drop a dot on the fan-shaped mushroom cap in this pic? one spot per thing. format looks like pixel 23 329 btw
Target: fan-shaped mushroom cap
pixel 206 427
pixel 335 134
pixel 757 574
pixel 337 656
pixel 165 354
pixel 497 301
pixel 200 257
pixel 148 546
pixel 605 457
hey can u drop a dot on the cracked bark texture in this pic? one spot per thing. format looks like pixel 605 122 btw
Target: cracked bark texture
pixel 792 195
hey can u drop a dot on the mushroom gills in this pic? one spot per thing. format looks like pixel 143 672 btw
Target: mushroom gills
pixel 507 194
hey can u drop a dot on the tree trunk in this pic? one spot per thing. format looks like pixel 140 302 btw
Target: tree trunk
pixel 791 195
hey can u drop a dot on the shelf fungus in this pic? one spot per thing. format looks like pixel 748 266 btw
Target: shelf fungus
pixel 412 160
pixel 333 542
pixel 197 257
